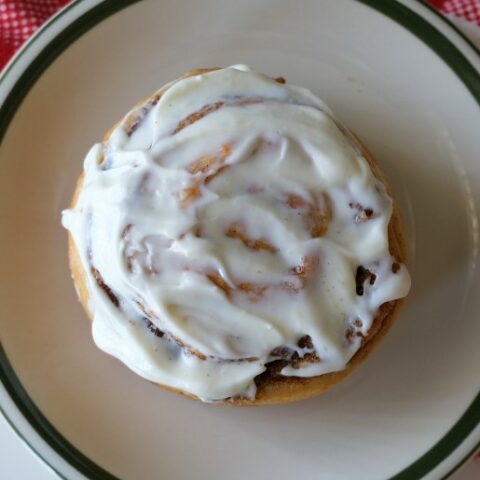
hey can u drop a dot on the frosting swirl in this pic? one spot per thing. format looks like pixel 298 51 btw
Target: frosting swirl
pixel 229 222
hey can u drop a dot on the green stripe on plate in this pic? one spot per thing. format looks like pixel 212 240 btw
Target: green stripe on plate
pixel 392 9
pixel 44 428
pixel 471 78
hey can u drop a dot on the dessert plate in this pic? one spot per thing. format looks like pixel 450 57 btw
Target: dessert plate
pixel 397 74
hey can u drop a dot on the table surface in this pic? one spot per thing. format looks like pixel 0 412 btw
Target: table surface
pixel 18 462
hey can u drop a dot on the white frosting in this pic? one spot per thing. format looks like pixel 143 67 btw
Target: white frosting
pixel 234 234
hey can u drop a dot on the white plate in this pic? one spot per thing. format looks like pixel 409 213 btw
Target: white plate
pixel 406 82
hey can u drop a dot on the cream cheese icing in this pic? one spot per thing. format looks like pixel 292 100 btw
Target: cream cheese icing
pixel 228 221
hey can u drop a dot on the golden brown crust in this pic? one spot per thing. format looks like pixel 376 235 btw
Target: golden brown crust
pixel 273 388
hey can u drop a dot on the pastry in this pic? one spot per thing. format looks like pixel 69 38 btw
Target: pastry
pixel 232 241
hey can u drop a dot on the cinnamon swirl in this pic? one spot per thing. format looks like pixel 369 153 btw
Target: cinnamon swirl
pixel 232 241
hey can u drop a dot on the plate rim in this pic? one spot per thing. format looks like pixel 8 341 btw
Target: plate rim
pixel 417 24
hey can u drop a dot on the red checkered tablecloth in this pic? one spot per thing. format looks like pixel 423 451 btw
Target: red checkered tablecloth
pixel 467 9
pixel 20 18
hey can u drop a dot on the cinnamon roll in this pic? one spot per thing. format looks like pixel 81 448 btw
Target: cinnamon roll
pixel 231 240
